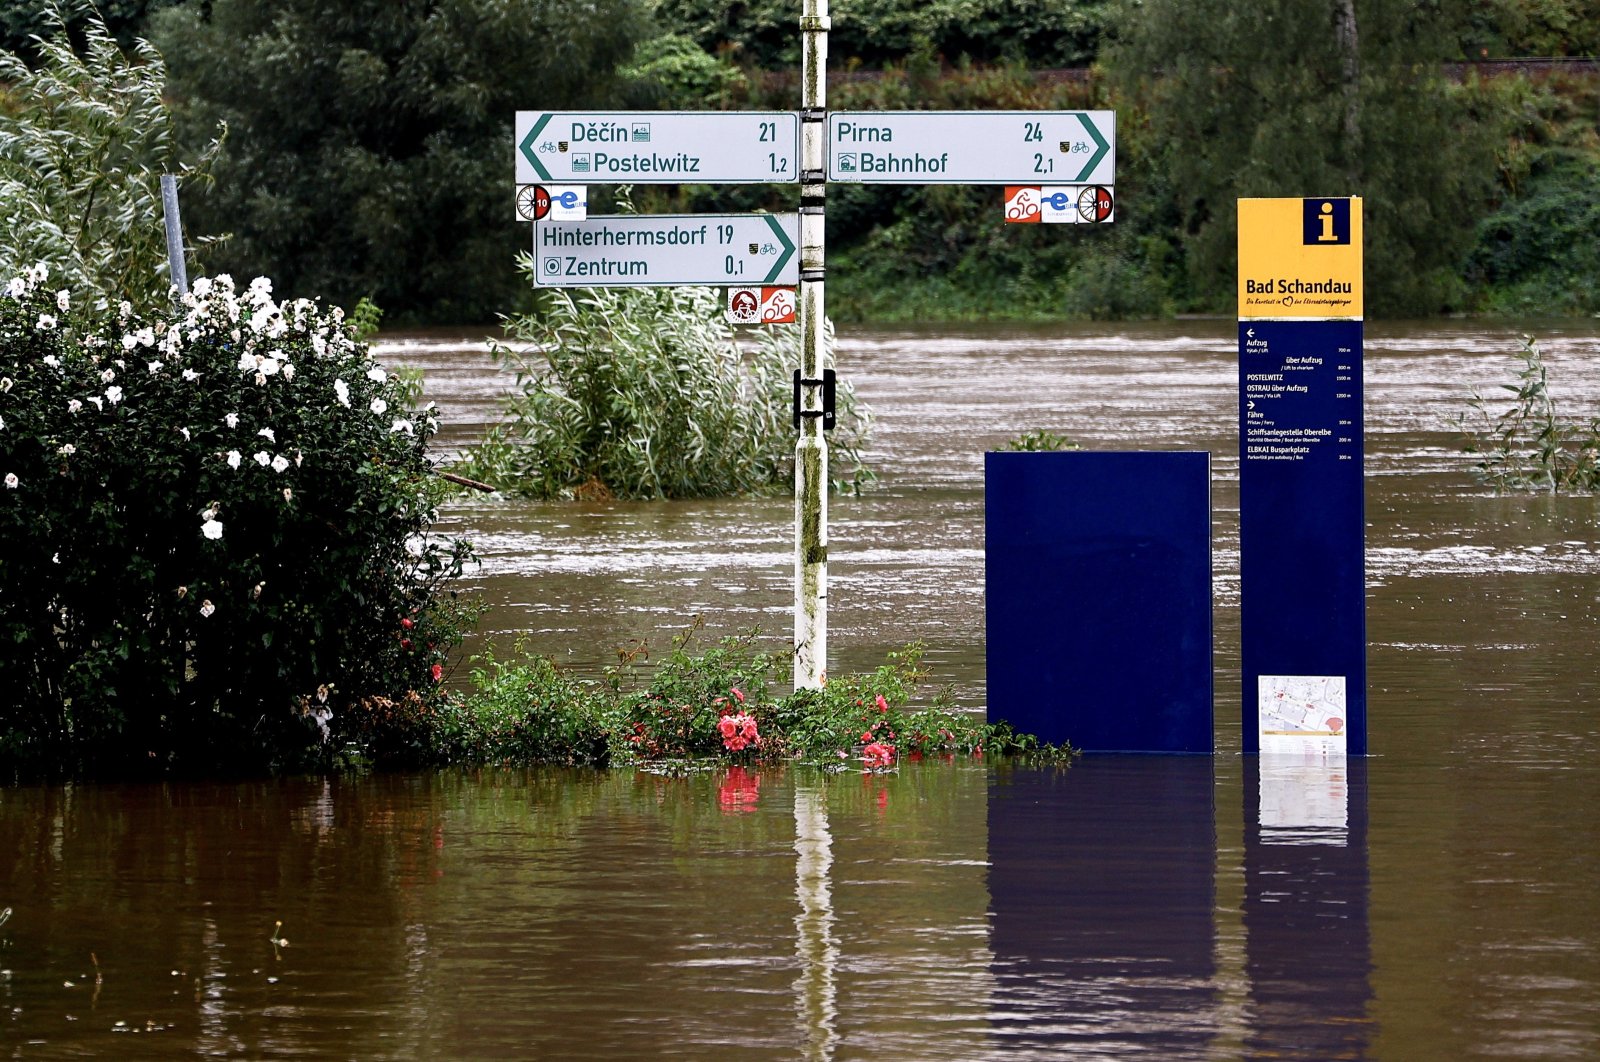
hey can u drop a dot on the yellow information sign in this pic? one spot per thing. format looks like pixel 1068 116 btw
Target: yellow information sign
pixel 1300 258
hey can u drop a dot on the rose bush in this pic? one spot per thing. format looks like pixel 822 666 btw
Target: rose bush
pixel 216 522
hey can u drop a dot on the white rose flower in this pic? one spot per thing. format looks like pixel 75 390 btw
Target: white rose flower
pixel 154 367
pixel 261 379
pixel 145 337
pixel 190 375
pixel 185 433
pixel 247 362
pixel 46 322
pixel 52 361
pixel 376 374
pixel 74 405
pixel 341 391
pixel 97 403
pixel 12 481
pixel 201 288
pixel 5 385
pixel 108 375
pixel 114 394
pixel 401 425
pixel 280 463
pixel 17 288
pixel 288 370
pixel 206 609
pixel 233 458
pixel 268 434
pixel 379 406
pixel 287 494
pixel 128 342
pixel 262 458
pixel 212 528
pixel 63 300
pixel 66 450
pixel 124 309
pixel 39 272
pixel 231 420
pixel 270 366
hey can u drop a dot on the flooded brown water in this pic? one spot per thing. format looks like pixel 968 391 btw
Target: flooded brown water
pixel 1124 908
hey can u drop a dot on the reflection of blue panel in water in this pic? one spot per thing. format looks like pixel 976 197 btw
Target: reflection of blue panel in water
pixel 1098 576
pixel 1308 949
pixel 1101 887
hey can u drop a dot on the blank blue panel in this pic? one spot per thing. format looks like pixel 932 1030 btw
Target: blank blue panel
pixel 1098 574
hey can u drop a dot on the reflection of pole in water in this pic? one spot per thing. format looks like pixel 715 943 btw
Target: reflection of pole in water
pixel 814 945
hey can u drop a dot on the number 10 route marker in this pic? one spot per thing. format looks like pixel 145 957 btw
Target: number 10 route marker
pixel 652 250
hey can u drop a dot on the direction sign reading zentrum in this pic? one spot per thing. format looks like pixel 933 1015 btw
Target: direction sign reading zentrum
pixel 972 147
pixel 653 250
pixel 657 147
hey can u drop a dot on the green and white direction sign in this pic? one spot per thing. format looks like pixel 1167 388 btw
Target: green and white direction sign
pixel 972 147
pixel 660 250
pixel 657 147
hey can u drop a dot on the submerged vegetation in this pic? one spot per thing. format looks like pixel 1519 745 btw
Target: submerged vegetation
pixel 718 705
pixel 1529 446
pixel 650 393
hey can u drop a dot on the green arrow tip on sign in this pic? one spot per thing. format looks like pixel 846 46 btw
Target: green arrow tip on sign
pixel 1101 147
pixel 788 249
pixel 533 134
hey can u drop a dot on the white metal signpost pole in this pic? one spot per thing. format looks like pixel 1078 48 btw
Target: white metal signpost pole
pixel 811 448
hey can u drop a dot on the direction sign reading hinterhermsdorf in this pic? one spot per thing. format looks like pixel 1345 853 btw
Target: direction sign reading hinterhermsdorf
pixel 972 147
pixel 657 147
pixel 657 250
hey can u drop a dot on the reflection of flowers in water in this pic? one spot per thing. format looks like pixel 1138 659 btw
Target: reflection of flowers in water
pixel 739 792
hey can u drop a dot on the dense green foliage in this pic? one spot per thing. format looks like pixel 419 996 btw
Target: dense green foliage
pixel 1530 446
pixel 650 393
pixel 215 518
pixel 762 33
pixel 370 142
pixel 24 22
pixel 715 704
pixel 1273 99
pixel 372 153
pixel 82 151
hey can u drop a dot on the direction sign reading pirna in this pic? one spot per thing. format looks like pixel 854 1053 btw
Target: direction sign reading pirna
pixel 972 147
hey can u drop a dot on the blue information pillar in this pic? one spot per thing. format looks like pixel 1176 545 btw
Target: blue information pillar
pixel 1302 530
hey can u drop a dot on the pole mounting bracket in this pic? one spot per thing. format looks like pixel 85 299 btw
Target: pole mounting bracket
pixel 830 386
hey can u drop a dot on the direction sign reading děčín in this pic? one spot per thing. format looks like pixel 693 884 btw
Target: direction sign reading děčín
pixel 657 147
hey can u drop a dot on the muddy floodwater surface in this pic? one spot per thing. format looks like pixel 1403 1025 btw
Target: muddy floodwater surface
pixel 1438 900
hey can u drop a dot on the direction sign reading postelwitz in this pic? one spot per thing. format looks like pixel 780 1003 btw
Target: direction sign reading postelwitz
pixel 972 147
pixel 659 250
pixel 657 147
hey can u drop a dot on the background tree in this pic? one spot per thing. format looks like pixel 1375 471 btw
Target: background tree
pixel 370 149
pixel 1268 100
